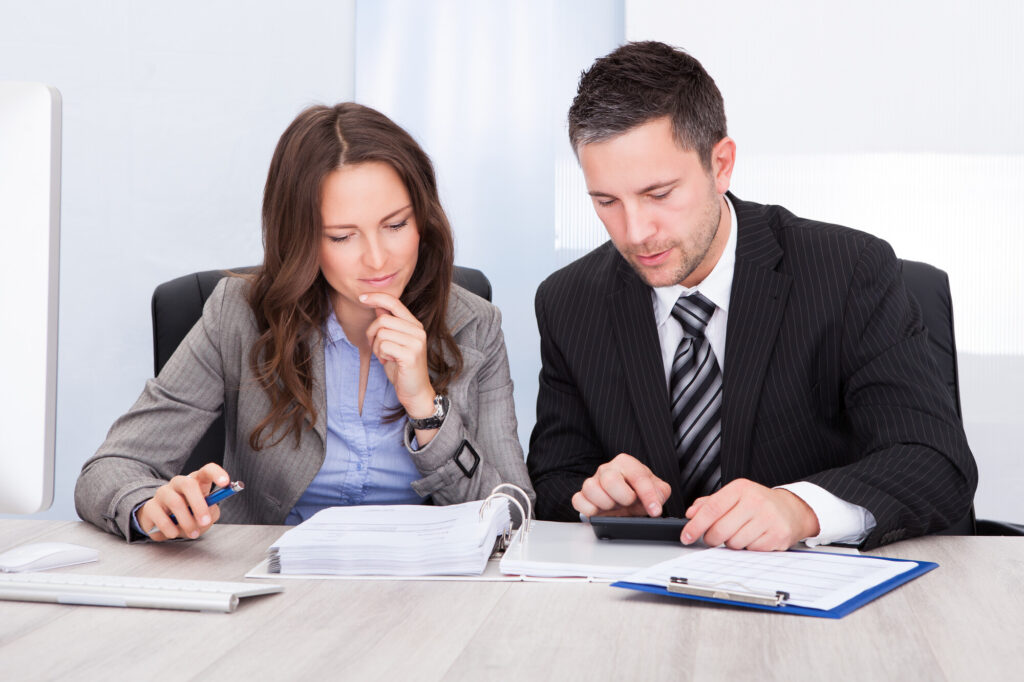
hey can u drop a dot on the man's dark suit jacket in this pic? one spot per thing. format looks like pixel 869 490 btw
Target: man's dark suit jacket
pixel 828 379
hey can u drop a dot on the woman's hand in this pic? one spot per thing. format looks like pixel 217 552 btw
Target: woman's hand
pixel 400 344
pixel 183 496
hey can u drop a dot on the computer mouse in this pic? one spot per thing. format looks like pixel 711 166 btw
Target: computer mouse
pixel 39 556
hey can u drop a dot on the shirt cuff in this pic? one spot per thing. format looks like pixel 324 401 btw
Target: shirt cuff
pixel 135 521
pixel 838 520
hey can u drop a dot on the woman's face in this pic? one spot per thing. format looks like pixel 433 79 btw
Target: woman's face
pixel 370 240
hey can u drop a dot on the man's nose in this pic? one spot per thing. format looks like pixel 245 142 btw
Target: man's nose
pixel 639 224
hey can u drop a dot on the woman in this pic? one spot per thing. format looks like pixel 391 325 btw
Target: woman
pixel 349 368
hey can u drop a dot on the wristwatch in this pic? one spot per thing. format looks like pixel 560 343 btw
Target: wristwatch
pixel 435 420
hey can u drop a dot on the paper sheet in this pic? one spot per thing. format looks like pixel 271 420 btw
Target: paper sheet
pixel 812 579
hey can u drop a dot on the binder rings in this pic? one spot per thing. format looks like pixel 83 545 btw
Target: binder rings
pixel 795 582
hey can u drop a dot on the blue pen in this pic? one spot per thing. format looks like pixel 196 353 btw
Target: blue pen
pixel 218 495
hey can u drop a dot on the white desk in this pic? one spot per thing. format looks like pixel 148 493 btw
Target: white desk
pixel 963 621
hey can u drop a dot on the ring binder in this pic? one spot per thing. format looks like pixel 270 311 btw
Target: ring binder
pixel 506 537
pixel 529 505
pixel 744 595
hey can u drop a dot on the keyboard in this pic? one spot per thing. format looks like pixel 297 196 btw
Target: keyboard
pixel 112 590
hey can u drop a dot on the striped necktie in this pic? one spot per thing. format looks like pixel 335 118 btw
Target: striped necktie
pixel 695 391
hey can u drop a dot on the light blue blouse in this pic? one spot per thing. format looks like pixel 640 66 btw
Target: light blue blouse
pixel 366 460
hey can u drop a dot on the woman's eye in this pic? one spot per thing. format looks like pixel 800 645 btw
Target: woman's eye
pixel 398 226
pixel 338 240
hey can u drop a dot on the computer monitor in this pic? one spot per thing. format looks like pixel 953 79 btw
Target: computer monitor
pixel 30 153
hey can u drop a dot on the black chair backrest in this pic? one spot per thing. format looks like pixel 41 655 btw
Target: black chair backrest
pixel 178 304
pixel 930 288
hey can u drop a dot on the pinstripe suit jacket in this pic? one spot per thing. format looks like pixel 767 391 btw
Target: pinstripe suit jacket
pixel 828 378
pixel 210 372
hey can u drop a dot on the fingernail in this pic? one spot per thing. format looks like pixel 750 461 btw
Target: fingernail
pixel 362 298
pixel 205 520
pixel 687 538
pixel 194 534
pixel 653 509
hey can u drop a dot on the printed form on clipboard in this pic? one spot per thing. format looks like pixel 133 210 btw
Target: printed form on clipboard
pixel 806 583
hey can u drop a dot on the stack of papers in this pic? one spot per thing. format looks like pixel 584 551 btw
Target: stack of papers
pixel 393 540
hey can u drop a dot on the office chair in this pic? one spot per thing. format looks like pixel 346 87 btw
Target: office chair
pixel 930 288
pixel 178 304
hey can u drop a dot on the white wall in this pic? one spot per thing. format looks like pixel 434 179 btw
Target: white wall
pixel 171 113
pixel 902 119
pixel 485 87
pixel 898 118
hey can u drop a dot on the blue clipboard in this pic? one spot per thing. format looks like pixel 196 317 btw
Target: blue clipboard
pixel 847 607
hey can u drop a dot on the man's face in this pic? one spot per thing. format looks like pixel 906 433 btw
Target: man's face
pixel 663 210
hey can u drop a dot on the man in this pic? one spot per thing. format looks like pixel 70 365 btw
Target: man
pixel 764 375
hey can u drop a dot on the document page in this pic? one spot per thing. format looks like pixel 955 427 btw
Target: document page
pixel 812 579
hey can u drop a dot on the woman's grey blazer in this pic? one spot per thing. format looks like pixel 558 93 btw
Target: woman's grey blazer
pixel 210 372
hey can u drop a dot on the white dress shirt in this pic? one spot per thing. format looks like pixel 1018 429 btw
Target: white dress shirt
pixel 839 521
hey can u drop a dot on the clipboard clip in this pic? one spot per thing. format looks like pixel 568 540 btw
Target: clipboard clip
pixel 743 595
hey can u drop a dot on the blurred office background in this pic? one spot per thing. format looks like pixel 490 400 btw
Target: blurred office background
pixel 901 119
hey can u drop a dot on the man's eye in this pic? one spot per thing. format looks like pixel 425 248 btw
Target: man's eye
pixel 605 202
pixel 662 195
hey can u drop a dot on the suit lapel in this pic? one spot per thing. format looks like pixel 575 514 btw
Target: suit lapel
pixel 319 389
pixel 757 303
pixel 632 321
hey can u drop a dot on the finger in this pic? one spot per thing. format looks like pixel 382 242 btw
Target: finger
pixel 744 536
pixel 583 505
pixel 595 492
pixel 649 489
pixel 214 516
pixel 393 352
pixel 147 524
pixel 709 511
pixel 195 498
pixel 211 474
pixel 159 518
pixel 664 488
pixel 771 540
pixel 649 494
pixel 184 491
pixel 388 302
pixel 386 321
pixel 413 345
pixel 728 524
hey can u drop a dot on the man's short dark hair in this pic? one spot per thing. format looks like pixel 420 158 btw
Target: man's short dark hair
pixel 643 81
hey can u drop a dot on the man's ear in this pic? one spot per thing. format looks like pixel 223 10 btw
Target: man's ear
pixel 723 160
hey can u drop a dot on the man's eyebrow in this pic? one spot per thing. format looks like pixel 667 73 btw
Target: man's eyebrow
pixel 386 218
pixel 657 185
pixel 649 188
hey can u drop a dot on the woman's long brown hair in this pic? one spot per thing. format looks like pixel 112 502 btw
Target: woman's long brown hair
pixel 289 295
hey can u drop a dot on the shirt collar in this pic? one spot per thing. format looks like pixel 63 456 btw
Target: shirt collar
pixel 333 330
pixel 716 287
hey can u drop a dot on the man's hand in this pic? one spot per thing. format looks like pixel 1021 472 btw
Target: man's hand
pixel 622 487
pixel 747 515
